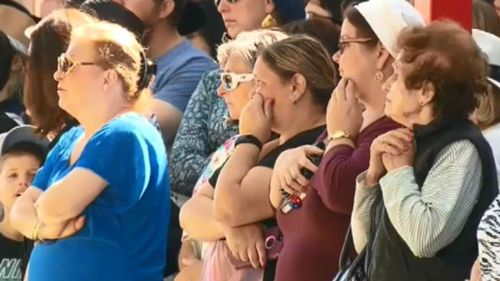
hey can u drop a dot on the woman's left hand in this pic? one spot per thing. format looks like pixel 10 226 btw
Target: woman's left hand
pixel 61 230
pixel 256 117
pixel 344 112
pixel 404 158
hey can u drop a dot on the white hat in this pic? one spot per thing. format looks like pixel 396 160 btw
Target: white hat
pixel 388 18
pixel 490 45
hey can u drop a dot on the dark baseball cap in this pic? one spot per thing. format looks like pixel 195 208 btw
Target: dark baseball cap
pixel 22 137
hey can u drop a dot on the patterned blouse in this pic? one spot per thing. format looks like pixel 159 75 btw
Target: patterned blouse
pixel 202 130
pixel 488 236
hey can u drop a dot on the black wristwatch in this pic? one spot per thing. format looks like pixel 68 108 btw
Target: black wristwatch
pixel 248 139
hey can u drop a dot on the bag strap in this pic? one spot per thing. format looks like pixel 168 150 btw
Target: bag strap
pixel 347 249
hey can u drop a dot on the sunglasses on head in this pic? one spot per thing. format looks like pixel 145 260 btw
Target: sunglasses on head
pixel 65 65
pixel 217 2
pixel 231 81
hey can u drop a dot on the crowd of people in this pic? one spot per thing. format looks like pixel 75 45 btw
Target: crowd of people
pixel 256 140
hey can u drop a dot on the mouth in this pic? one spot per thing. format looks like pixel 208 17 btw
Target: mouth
pixel 59 89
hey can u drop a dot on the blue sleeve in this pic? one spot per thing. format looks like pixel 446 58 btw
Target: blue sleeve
pixel 119 156
pixel 177 88
pixel 43 178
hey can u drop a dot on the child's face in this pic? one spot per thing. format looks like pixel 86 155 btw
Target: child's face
pixel 16 175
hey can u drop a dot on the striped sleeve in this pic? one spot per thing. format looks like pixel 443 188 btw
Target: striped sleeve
pixel 430 218
pixel 364 199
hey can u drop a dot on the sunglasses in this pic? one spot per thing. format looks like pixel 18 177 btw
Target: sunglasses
pixel 231 81
pixel 65 65
pixel 217 2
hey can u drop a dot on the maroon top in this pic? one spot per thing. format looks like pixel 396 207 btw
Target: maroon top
pixel 314 234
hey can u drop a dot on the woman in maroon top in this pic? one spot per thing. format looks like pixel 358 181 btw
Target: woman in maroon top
pixel 314 228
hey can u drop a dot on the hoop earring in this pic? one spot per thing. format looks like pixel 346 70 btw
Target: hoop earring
pixel 269 22
pixel 379 76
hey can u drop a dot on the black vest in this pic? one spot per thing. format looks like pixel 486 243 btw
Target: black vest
pixel 389 258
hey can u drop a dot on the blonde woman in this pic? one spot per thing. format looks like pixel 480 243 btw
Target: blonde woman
pixel 102 196
pixel 238 58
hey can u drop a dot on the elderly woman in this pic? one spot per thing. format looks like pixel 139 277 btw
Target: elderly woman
pixel 104 211
pixel 417 207
pixel 196 217
pixel 317 228
pixel 487 116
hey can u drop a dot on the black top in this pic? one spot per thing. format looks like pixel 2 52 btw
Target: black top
pixel 13 259
pixel 388 257
pixel 304 138
pixel 307 137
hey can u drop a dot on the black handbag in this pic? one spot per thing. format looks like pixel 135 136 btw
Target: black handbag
pixel 351 269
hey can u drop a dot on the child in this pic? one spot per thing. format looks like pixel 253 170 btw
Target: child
pixel 21 155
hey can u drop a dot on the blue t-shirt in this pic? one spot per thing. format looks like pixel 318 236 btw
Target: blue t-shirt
pixel 178 74
pixel 124 237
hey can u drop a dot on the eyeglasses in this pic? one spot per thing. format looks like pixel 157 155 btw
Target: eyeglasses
pixel 217 2
pixel 231 81
pixel 345 42
pixel 65 65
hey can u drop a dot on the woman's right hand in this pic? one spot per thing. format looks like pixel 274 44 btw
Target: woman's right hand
pixel 393 142
pixel 247 244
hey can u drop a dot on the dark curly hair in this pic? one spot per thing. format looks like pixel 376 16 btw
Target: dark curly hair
pixel 445 54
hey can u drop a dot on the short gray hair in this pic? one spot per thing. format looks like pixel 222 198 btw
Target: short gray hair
pixel 248 45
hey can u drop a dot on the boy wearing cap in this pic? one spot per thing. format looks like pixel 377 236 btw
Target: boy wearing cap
pixel 21 155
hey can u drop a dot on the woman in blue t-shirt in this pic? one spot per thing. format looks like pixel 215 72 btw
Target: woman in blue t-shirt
pixel 99 207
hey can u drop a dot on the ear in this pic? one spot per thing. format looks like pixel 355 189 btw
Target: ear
pixel 269 6
pixel 428 93
pixel 17 64
pixel 299 86
pixel 166 9
pixel 383 57
pixel 110 77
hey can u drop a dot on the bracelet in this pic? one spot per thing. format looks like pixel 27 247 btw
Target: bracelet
pixel 248 139
pixel 36 232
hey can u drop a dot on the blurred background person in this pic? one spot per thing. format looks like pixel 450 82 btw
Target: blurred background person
pixel 485 18
pixel 487 117
pixel 49 39
pixel 14 19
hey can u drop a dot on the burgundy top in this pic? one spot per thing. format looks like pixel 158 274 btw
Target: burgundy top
pixel 314 234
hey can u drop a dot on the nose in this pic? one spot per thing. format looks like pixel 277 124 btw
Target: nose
pixel 23 183
pixel 58 76
pixel 220 91
pixel 222 7
pixel 336 57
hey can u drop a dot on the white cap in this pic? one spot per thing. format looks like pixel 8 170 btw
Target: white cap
pixel 490 45
pixel 388 18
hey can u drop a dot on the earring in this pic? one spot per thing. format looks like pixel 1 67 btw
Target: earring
pixel 379 76
pixel 421 103
pixel 269 22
